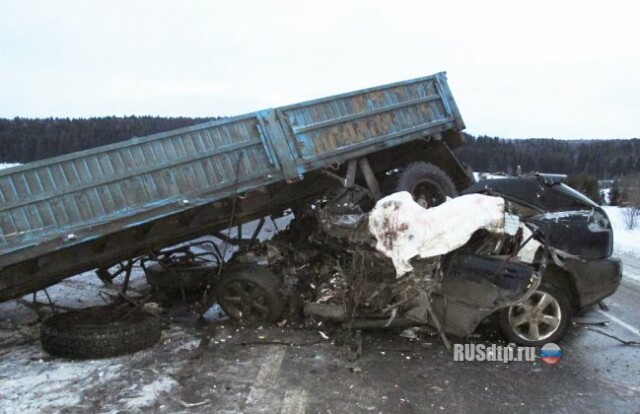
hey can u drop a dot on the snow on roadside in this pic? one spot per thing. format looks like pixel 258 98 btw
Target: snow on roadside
pixel 625 242
pixel 4 165
pixel 148 393
pixel 32 379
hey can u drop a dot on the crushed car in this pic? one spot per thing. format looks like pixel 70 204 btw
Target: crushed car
pixel 575 244
pixel 524 252
pixel 529 251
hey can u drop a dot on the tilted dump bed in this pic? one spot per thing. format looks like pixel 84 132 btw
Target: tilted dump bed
pixel 92 208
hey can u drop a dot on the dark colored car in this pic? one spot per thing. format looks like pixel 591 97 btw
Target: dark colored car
pixel 574 255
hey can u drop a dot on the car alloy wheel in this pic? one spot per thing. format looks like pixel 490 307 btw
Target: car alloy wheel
pixel 536 319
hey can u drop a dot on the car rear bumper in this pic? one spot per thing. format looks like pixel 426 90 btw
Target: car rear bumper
pixel 595 279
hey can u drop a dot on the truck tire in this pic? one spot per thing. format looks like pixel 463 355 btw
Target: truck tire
pixel 251 294
pixel 429 185
pixel 543 318
pixel 99 333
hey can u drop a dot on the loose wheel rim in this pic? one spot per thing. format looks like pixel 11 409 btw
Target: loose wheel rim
pixel 428 194
pixel 245 301
pixel 536 319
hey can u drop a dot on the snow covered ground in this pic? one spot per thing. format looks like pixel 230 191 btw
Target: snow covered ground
pixel 626 244
pixel 4 165
pixel 625 241
pixel 32 381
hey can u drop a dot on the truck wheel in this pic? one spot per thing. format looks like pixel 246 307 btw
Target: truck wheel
pixel 544 317
pixel 251 294
pixel 429 184
pixel 99 333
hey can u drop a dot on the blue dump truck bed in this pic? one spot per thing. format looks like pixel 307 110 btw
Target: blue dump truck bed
pixel 94 208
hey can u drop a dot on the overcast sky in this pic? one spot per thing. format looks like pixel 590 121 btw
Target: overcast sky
pixel 563 69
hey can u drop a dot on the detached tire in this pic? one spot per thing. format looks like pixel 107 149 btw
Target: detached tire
pixel 99 333
pixel 545 317
pixel 251 294
pixel 429 185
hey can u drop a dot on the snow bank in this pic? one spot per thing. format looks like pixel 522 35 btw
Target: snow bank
pixel 404 229
pixel 6 165
pixel 624 241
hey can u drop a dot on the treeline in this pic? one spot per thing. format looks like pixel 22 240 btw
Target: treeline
pixel 24 140
pixel 603 159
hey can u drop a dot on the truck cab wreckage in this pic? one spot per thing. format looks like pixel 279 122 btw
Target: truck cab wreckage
pixel 380 238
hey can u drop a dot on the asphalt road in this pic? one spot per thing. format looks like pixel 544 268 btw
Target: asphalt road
pixel 214 367
pixel 397 375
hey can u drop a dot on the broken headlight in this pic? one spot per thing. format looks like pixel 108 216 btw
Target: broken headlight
pixel 598 221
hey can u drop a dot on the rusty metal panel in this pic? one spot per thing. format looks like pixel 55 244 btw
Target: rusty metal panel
pixel 56 197
pixel 387 115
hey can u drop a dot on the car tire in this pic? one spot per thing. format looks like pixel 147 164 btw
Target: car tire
pixel 544 317
pixel 99 333
pixel 250 294
pixel 429 185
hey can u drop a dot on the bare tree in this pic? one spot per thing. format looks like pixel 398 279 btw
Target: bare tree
pixel 631 194
pixel 631 215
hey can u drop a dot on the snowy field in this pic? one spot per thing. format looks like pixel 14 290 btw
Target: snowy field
pixel 625 241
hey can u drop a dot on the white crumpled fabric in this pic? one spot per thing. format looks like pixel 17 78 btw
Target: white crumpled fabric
pixel 404 229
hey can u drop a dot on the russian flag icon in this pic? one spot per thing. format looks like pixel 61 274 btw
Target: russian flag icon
pixel 550 354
